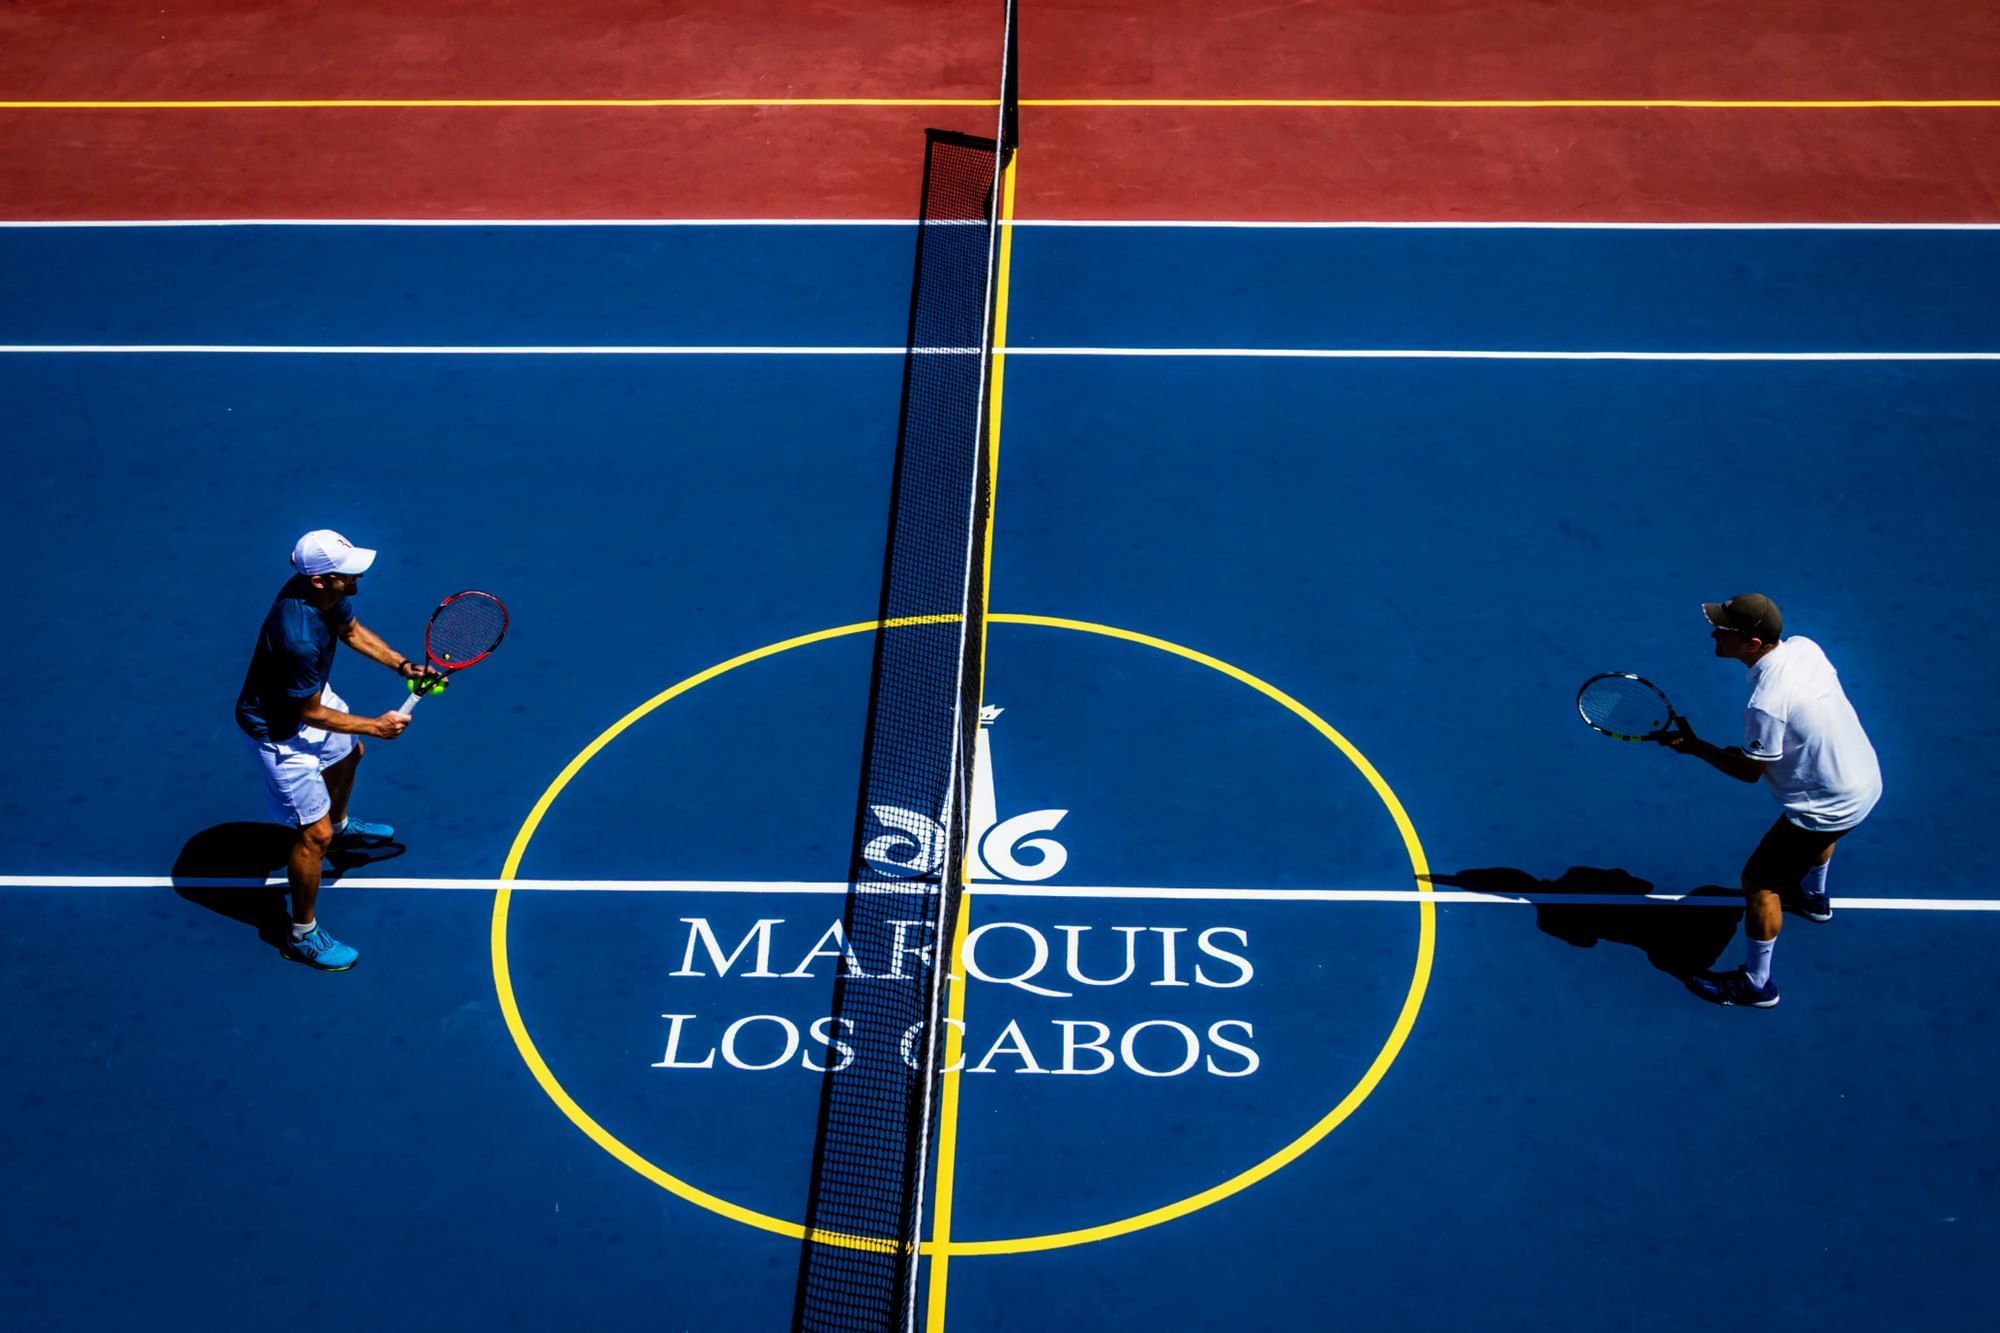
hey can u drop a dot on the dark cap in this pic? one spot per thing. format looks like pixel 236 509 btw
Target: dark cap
pixel 1750 613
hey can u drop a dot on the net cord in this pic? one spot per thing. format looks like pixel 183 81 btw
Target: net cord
pixel 951 877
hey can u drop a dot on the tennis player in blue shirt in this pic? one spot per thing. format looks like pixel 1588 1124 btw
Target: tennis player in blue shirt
pixel 305 740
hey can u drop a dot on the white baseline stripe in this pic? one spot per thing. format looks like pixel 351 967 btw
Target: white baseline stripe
pixel 1104 224
pixel 1074 892
pixel 1256 353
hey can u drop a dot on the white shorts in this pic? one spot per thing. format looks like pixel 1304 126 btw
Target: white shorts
pixel 294 790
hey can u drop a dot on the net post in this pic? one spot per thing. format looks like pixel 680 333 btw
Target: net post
pixel 1010 85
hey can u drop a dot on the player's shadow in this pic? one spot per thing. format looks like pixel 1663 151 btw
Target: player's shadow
pixel 224 869
pixel 1680 940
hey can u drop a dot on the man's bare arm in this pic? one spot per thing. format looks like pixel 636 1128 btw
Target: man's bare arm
pixel 386 727
pixel 371 645
pixel 1731 760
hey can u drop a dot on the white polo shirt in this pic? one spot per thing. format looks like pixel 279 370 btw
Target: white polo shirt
pixel 1817 759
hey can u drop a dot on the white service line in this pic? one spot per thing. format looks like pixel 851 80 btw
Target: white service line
pixel 1485 354
pixel 1224 353
pixel 1076 892
pixel 369 349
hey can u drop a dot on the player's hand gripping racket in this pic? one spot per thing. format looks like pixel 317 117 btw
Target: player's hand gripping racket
pixel 466 628
pixel 1628 708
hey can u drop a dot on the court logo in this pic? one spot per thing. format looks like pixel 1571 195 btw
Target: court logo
pixel 1036 963
pixel 913 843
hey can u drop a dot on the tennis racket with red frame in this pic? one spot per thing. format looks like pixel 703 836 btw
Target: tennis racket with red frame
pixel 465 628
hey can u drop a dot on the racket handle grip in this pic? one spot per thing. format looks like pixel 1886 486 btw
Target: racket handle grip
pixel 409 705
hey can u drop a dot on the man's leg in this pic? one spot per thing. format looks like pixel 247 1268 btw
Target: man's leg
pixel 1750 984
pixel 1781 858
pixel 308 943
pixel 295 787
pixel 303 869
pixel 1763 915
pixel 1814 904
pixel 340 784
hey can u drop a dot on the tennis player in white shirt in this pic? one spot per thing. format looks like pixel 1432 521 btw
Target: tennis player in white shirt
pixel 1802 739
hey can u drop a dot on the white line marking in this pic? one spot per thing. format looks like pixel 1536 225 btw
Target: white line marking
pixel 837 888
pixel 1251 353
pixel 1482 354
pixel 1105 224
pixel 320 349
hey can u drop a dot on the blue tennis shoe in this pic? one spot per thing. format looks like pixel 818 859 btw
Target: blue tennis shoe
pixel 355 830
pixel 321 950
pixel 1735 988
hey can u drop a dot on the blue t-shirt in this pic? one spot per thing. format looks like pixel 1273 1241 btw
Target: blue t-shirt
pixel 291 663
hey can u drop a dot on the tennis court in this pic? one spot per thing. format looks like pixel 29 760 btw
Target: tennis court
pixel 1365 380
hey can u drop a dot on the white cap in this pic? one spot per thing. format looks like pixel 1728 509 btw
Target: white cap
pixel 325 551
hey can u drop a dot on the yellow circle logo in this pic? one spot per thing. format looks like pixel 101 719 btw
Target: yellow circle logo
pixel 1391 1047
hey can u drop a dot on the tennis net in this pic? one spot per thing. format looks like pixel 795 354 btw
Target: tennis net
pixel 859 1268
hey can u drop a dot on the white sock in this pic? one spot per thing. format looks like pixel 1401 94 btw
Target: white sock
pixel 299 931
pixel 1757 961
pixel 341 827
pixel 1814 880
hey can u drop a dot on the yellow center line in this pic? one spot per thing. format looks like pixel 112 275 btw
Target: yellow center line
pixel 954 1030
pixel 475 103
pixel 1043 103
pixel 954 1051
pixel 1516 103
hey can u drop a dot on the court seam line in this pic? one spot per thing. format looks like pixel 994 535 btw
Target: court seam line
pixel 982 890
pixel 1337 224
pixel 1227 353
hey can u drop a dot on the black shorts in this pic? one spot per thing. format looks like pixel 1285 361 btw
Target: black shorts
pixel 1785 854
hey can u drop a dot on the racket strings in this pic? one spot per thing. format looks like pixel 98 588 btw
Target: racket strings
pixel 465 629
pixel 1624 706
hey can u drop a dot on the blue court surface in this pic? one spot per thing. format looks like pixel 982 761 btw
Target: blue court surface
pixel 1325 970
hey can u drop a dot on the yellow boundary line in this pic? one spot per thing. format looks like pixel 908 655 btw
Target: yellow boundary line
pixel 1399 1034
pixel 1161 103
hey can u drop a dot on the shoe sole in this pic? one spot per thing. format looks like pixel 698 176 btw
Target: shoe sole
pixel 1716 998
pixel 291 957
